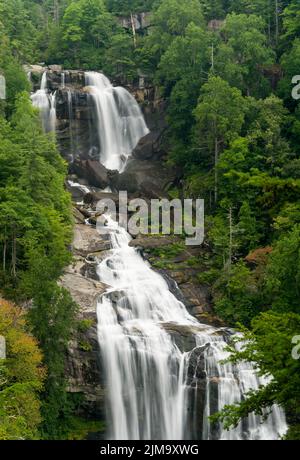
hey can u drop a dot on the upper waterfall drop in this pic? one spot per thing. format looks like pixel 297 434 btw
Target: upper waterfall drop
pixel 46 104
pixel 120 121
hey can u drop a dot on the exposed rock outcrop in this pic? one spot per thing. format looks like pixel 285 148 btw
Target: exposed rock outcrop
pixel 87 241
pixel 197 382
pixel 151 178
pixel 150 147
pixel 83 362
pixel 140 21
pixel 93 171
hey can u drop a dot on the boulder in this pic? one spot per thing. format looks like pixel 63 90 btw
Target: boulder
pixel 88 241
pixel 195 295
pixel 77 190
pixel 92 198
pixel 79 218
pixel 87 213
pixel 152 179
pixel 182 335
pixel 94 172
pixel 89 268
pixel 149 147
pixel 84 291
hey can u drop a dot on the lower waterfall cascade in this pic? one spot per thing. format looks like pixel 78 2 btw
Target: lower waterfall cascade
pixel 149 397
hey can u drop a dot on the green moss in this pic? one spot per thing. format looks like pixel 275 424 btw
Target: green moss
pixel 174 193
pixel 163 265
pixel 85 346
pixel 193 262
pixel 84 325
pixel 170 251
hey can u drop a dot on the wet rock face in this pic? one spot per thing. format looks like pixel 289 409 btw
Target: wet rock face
pixel 75 126
pixel 150 178
pixel 84 371
pixel 94 172
pixel 149 147
pixel 83 360
pixel 197 384
pixel 76 132
pixel 141 21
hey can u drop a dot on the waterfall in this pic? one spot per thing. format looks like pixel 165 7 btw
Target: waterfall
pixel 120 122
pixel 151 394
pixel 70 115
pixel 230 382
pixel 46 104
pixel 63 80
pixel 52 114
pixel 44 82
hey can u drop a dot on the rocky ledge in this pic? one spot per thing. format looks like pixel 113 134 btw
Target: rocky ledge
pixel 83 362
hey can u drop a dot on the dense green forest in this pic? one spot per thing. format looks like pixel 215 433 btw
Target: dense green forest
pixel 233 129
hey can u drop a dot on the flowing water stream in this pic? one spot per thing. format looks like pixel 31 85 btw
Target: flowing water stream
pixel 46 103
pixel 120 122
pixel 150 392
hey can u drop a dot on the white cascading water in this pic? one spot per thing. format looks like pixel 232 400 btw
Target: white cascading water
pixel 70 115
pixel 46 104
pixel 120 121
pixel 52 113
pixel 147 374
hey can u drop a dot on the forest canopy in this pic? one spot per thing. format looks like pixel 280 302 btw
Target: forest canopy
pixel 224 69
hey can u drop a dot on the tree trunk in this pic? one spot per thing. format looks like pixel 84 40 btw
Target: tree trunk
pixel 212 58
pixel 14 254
pixel 277 20
pixel 4 254
pixel 133 30
pixel 56 12
pixel 216 170
pixel 230 238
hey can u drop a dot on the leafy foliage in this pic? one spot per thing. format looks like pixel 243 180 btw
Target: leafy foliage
pixel 21 377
